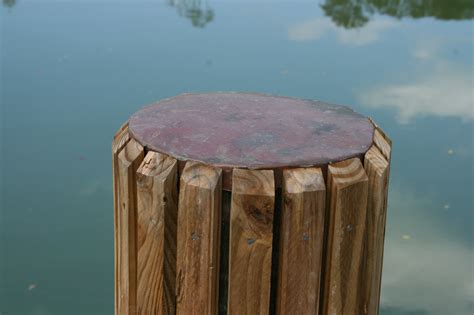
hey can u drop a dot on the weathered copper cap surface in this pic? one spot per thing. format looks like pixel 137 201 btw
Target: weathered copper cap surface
pixel 257 131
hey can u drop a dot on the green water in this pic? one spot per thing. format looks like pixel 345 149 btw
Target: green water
pixel 73 71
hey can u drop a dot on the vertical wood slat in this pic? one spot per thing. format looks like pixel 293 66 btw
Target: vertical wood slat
pixel 157 211
pixel 301 241
pixel 381 140
pixel 379 166
pixel 383 143
pixel 376 167
pixel 121 138
pixel 128 161
pixel 251 235
pixel 347 196
pixel 199 214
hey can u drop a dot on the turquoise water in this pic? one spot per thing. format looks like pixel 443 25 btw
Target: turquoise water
pixel 73 71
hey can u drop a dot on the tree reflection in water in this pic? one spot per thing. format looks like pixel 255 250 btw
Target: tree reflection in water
pixel 8 3
pixel 197 11
pixel 356 13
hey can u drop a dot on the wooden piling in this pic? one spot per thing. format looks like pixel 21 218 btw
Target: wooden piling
pixel 376 167
pixel 251 225
pixel 225 207
pixel 121 138
pixel 198 239
pixel 301 240
pixel 347 197
pixel 129 160
pixel 157 213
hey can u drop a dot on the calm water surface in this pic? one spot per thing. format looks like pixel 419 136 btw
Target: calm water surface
pixel 73 71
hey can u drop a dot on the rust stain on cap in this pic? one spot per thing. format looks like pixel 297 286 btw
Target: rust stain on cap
pixel 255 131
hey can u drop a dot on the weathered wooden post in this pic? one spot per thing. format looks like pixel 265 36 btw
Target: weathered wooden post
pixel 249 204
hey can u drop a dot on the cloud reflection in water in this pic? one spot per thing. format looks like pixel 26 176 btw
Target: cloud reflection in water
pixel 316 28
pixel 429 273
pixel 448 91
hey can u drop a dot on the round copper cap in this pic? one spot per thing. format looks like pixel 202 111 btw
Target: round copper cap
pixel 255 131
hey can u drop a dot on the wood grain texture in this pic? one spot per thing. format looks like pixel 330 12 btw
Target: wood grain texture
pixel 251 226
pixel 347 197
pixel 383 143
pixel 199 214
pixel 376 167
pixel 121 138
pixel 381 132
pixel 157 212
pixel 301 241
pixel 128 161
